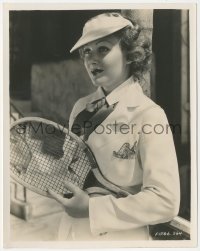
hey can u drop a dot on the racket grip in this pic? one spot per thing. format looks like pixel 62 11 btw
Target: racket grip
pixel 99 191
pixel 117 191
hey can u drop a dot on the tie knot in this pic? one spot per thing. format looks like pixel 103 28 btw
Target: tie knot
pixel 96 105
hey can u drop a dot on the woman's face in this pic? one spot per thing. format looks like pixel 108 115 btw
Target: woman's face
pixel 106 63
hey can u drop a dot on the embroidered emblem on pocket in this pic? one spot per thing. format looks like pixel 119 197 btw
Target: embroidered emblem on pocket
pixel 125 151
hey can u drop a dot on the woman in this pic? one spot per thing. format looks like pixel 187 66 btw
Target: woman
pixel 129 148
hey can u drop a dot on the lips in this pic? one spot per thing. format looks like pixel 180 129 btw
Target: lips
pixel 97 71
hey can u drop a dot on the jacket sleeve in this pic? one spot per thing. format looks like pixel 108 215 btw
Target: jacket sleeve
pixel 158 200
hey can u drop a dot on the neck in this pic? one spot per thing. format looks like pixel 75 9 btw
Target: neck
pixel 109 90
pixel 127 74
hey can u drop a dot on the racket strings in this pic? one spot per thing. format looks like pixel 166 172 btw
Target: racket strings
pixel 54 158
pixel 20 153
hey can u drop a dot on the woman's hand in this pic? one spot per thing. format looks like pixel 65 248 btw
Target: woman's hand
pixel 78 205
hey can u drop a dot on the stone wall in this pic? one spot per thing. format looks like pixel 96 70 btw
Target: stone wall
pixel 55 87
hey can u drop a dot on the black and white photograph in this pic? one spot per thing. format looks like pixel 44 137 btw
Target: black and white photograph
pixel 100 106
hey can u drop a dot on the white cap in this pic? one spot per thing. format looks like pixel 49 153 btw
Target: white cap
pixel 101 26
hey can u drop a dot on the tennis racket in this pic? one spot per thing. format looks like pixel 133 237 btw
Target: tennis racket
pixel 44 154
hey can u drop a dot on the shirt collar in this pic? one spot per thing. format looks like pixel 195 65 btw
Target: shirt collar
pixel 129 91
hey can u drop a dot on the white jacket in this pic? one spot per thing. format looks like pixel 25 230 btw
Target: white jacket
pixel 150 173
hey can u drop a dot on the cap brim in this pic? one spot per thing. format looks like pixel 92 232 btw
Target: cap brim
pixel 94 35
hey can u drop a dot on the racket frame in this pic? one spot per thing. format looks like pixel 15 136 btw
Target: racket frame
pixel 112 188
pixel 63 129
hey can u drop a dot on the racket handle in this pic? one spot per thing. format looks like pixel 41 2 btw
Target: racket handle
pixel 117 191
pixel 93 191
pixel 99 191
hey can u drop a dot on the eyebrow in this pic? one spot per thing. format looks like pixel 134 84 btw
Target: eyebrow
pixel 103 41
pixel 85 46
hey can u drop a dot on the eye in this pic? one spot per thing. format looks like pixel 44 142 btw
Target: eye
pixel 103 49
pixel 86 51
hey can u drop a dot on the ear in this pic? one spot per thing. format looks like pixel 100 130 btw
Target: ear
pixel 128 61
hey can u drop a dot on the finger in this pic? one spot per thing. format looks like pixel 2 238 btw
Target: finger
pixel 70 186
pixel 56 196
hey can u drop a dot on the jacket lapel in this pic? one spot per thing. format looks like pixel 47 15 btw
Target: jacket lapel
pixel 130 97
pixel 98 119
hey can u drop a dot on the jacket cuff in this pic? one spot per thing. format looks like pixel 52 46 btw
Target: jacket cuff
pixel 96 214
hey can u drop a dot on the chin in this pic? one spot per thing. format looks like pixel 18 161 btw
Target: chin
pixel 100 82
pixel 95 83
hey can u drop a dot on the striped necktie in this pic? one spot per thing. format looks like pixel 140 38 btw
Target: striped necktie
pixel 93 115
pixel 96 105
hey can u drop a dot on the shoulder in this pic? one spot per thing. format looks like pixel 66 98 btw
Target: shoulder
pixel 154 113
pixel 148 110
pixel 154 123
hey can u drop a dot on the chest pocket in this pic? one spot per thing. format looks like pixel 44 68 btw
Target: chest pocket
pixel 117 160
